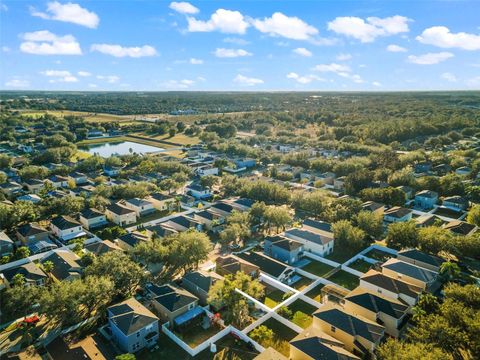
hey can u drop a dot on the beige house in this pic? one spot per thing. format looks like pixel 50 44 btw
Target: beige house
pixel 32 233
pixel 415 275
pixel 120 215
pixel 162 202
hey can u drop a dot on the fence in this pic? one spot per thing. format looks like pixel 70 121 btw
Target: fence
pixel 321 259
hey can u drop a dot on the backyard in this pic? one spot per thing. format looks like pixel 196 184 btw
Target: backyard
pixel 317 268
pixel 300 313
pixel 360 265
pixel 340 255
pixel 302 283
pixel 273 296
pixel 378 255
pixel 195 335
pixel 316 293
pixel 345 279
pixel 282 336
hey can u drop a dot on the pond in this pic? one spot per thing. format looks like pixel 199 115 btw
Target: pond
pixel 119 148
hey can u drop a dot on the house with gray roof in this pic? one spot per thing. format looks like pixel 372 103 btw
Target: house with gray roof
pixel 141 207
pixel 319 242
pixel 283 249
pixel 199 283
pixel 133 326
pixel 269 266
pixel 419 258
pixel 32 274
pixel 416 275
pixel 426 199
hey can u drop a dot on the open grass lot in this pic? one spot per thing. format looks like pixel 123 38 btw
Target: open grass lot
pixel 302 313
pixel 317 268
pixel 302 283
pixel 316 293
pixel 378 255
pixel 282 336
pixel 90 117
pixel 118 139
pixel 340 255
pixel 345 279
pixel 167 349
pixel 360 265
pixel 181 139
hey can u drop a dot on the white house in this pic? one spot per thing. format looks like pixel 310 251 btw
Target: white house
pixel 140 206
pixel 198 191
pixel 92 218
pixel 207 170
pixel 121 215
pixel 397 214
pixel 319 244
pixel 66 228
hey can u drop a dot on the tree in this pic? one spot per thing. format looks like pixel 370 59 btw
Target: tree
pixel 394 349
pixel 277 217
pixel 125 274
pixel 433 239
pixel 402 235
pixel 342 209
pixel 449 270
pixel 262 335
pixel 126 356
pixel 314 202
pixel 19 301
pixel 22 252
pixel 209 181
pixel 5 161
pixel 390 196
pixel 473 216
pixel 347 236
pixel 33 172
pixel 187 249
pixel 371 223
pixel 18 280
pixel 223 294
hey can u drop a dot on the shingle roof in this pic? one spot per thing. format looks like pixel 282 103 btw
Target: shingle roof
pixel 376 303
pixel 130 316
pixel 317 348
pixel 391 284
pixel 265 263
pixel 31 229
pixel 138 202
pixel 397 212
pixel 427 194
pixel 64 263
pixel 410 270
pixel 64 222
pixel 309 236
pixel 202 279
pixel 171 297
pixel 320 225
pixel 30 271
pixel 91 213
pixel 459 227
pixel 119 209
pixel 418 255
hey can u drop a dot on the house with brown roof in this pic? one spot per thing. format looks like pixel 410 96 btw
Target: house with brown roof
pixel 397 214
pixel 231 264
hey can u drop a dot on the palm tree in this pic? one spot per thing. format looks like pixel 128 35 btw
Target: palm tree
pixel 449 270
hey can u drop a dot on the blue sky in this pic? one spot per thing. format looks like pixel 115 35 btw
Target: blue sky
pixel 158 45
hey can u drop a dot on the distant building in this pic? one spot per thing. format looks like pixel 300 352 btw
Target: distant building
pixel 397 214
pixel 120 215
pixel 426 199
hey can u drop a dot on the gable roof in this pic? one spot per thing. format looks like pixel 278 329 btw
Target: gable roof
pixel 30 271
pixel 410 270
pixel 31 229
pixel 91 213
pixel 204 280
pixel 376 303
pixel 101 247
pixel 459 227
pixel 397 212
pixel 119 209
pixel 265 263
pixel 138 202
pixel 64 222
pixel 130 316
pixel 320 225
pixel 287 244
pixel 391 284
pixel 232 264
pixel 65 263
pixel 418 255
pixel 429 194
pixel 171 297
pixel 309 236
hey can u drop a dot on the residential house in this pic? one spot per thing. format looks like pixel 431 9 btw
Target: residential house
pixel 133 326
pixel 209 219
pixel 359 335
pixel 161 230
pixel 79 178
pixel 442 169
pixel 58 181
pixel 415 275
pixel 419 258
pixel 462 228
pixel 312 344
pixel 426 199
pixel 373 207
pixel 34 185
pixel 231 264
pixel 394 288
pixel 320 242
pixel 245 162
pixel 206 170
pixel 389 312
pixel 120 214
pixel 140 206
pixel 171 301
pixel 339 183
pixel 92 218
pixel 66 264
pixel 41 247
pixel 162 202
pixel 111 171
pixel 199 283
pixel 33 198
pixel 32 274
pixel 183 223
pixel 129 240
pixel 409 191
pixel 198 191
pixel 66 228
pixel 224 208
pixel 327 177
pixel 31 233
pixel 269 266
pixel 463 171
pixel 422 167
pixel 6 244
pixel 428 220
pixel 397 214
pixel 285 250
pixel 456 203
pixel 99 248
pixel 11 188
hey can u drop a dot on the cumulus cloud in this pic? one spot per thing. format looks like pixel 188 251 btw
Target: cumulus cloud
pixel 111 79
pixel 449 77
pixel 369 29
pixel 304 79
pixel 429 58
pixel 69 12
pixel 236 41
pixel 195 61
pixel 183 7
pixel 302 52
pixel 121 51
pixel 396 48
pixel 231 53
pixel 179 84
pixel 344 57
pixel 376 83
pixel 44 42
pixel 84 73
pixel 289 27
pixel 341 70
pixel 17 83
pixel 225 21
pixel 59 76
pixel 247 81
pixel 441 36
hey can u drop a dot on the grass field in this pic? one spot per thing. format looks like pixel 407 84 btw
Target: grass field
pixel 302 283
pixel 317 268
pixel 345 279
pixel 302 313
pixel 316 293
pixel 90 117
pixel 360 265
pixel 274 297
pixel 144 141
pixel 340 255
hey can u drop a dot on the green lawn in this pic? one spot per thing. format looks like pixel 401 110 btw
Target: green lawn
pixel 302 283
pixel 273 298
pixel 360 265
pixel 317 268
pixel 282 336
pixel 196 335
pixel 345 279
pixel 152 216
pixel 340 255
pixel 378 255
pixel 230 348
pixel 302 313
pixel 316 293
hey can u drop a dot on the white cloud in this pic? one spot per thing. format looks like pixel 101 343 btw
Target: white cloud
pixel 304 79
pixel 84 74
pixel 376 83
pixel 59 76
pixel 429 58
pixel 344 57
pixel 449 77
pixel 247 81
pixel 333 67
pixel 195 61
pixel 396 48
pixel 442 37
pixel 44 42
pixel 225 21
pixel 369 30
pixel 285 26
pixel 17 83
pixel 69 12
pixel 183 7
pixel 179 84
pixel 302 52
pixel 121 51
pixel 111 79
pixel 93 86
pixel 235 40
pixel 231 53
